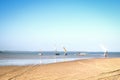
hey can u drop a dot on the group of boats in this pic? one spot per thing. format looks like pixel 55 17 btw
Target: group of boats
pixel 79 53
pixel 65 53
pixel 57 53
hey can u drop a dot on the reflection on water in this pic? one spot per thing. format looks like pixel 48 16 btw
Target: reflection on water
pixel 33 61
pixel 33 58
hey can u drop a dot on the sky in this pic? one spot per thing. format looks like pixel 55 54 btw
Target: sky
pixel 78 25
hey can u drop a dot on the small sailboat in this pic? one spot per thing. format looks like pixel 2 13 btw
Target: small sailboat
pixel 105 51
pixel 40 53
pixel 65 51
pixel 56 52
pixel 81 54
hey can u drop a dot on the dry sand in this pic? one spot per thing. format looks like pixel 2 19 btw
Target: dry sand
pixel 89 69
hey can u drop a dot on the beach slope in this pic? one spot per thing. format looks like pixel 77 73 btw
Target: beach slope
pixel 89 69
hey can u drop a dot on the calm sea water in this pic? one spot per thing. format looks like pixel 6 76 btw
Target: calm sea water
pixel 33 58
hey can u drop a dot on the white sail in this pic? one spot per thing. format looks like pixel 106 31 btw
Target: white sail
pixel 56 52
pixel 40 53
pixel 105 50
pixel 65 51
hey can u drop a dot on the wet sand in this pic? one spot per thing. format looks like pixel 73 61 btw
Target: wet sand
pixel 89 69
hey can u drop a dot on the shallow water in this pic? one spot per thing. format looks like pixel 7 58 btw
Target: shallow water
pixel 33 58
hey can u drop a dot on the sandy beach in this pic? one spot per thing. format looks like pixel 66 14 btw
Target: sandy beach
pixel 88 69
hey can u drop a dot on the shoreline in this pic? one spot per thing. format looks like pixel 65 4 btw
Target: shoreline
pixel 74 60
pixel 53 62
pixel 85 69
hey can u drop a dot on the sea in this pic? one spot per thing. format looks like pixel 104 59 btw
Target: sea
pixel 21 58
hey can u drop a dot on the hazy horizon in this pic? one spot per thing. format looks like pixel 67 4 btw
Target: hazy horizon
pixel 78 25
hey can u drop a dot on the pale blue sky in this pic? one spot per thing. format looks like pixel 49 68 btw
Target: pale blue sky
pixel 80 25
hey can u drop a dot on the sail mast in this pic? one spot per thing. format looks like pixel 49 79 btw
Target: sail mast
pixel 65 51
pixel 105 51
pixel 56 52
